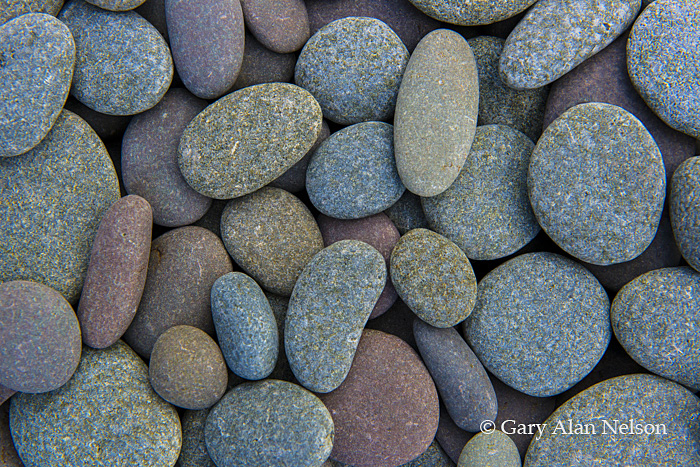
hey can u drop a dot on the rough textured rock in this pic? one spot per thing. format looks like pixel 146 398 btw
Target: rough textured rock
pixel 474 13
pixel 194 447
pixel 684 211
pixel 262 65
pixel 407 213
pixel 486 449
pixel 294 179
pixel 10 9
pixel 280 25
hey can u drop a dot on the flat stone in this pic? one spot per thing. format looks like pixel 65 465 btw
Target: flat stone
pixel 207 44
pixel 477 12
pixel 187 258
pixel 615 183
pixel 280 25
pixel 353 173
pixel 486 211
pixel 296 429
pixel 245 325
pixel 537 301
pixel 8 453
pixel 391 390
pixel 271 235
pixel 194 447
pixel 556 35
pixel 436 113
pixel 433 277
pixel 664 62
pixel 256 133
pixel 141 67
pixel 630 400
pixel 262 65
pixel 149 160
pixel 37 56
pixel 52 199
pixel 407 213
pixel 330 304
pixel 116 5
pixel 10 9
pixel 353 67
pixel 486 449
pixel 684 211
pixel 294 179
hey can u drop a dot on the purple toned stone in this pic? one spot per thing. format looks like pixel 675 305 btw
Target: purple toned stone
pixel 280 25
pixel 294 179
pixel 262 65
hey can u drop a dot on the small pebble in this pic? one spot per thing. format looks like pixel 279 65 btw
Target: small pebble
pixel 685 192
pixel 490 449
pixel 280 25
pixel 407 213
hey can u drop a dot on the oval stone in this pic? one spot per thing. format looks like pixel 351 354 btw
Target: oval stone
pixel 683 207
pixel 140 65
pixel 433 277
pixel 10 9
pixel 52 199
pixel 487 449
pixel 116 5
pixel 248 138
pixel 330 304
pixel 108 403
pixel 436 112
pixel 474 13
pixel 37 56
pixel 294 179
pixel 280 25
pixel 296 428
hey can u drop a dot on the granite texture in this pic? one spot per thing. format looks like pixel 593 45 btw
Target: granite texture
pixel 294 179
pixel 407 213
pixel 262 65
pixel 194 447
pixel 683 208
pixel 154 12
pixel 473 13
pixel 488 449
pixel 116 5
pixel 10 9
pixel 280 25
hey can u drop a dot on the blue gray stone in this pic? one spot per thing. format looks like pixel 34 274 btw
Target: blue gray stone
pixel 116 5
pixel 328 309
pixel 353 67
pixel 684 208
pixel 490 449
pixel 37 56
pixel 540 324
pixel 294 179
pixel 434 456
pixel 353 173
pixel 194 447
pixel 245 325
pixel 10 9
pixel 407 213
pixel 473 13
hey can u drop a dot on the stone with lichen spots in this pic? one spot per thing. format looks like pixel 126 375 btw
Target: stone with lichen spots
pixel 280 25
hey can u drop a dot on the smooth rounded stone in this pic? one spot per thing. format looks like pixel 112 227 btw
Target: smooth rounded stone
pixel 245 325
pixel 149 160
pixel 628 404
pixel 52 199
pixel 261 65
pixel 436 113
pixel 296 430
pixel 353 174
pixel 328 309
pixel 461 380
pixel 392 392
pixel 556 316
pixel 499 104
pixel 207 44
pixel 664 62
pixel 194 447
pixel 256 134
pixel 108 403
pixel 377 231
pixel 279 305
pixel 353 67
pixel 187 258
pixel 487 449
pixel 107 127
pixel 10 9
pixel 154 12
pixel 614 180
pixel 37 57
pixel 655 317
pixel 433 277
pixel 39 337
pixel 187 368
pixel 271 235
pixel 486 211
pixel 280 25
pixel 8 453
pixel 116 5
pixel 141 67
pixel 294 179
pixel 407 213
pixel 557 35
pixel 683 207
pixel 474 13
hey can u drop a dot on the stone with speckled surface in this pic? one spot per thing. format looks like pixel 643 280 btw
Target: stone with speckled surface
pixel 434 456
pixel 280 25
pixel 294 179
pixel 10 9
pixel 407 213
pixel 5 394
pixel 262 65
pixel 684 212
pixel 556 317
pixel 194 447
pixel 473 13
pixel 116 5
pixel 488 449
pixel 279 306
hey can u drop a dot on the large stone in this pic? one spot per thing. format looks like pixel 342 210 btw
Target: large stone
pixel 10 9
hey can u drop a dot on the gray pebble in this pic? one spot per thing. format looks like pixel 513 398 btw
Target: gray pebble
pixel 490 449
pixel 407 213
pixel 474 13
pixel 10 9
pixel 683 207
pixel 434 456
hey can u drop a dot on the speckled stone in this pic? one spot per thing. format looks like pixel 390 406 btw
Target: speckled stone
pixel 488 449
pixel 149 160
pixel 116 5
pixel 212 218
pixel 556 317
pixel 461 380
pixel 39 337
pixel 187 258
pixel 407 213
pixel 271 235
pixel 51 202
pixel 207 44
pixel 434 456
pixel 685 215
pixel 108 403
pixel 10 9
pixel 245 325
pixel 353 67
pixel 141 67
pixel 330 304
pixel 294 179
pixel 296 429
pixel 256 134
pixel 613 178
pixel 433 277
pixel 280 25
pixel 353 173
pixel 377 231
pixel 486 211
pixel 262 65
pixel 631 400
pixel 37 56
pixel 154 12
pixel 386 411
pixel 500 104
pixel 194 448
pixel 436 113
pixel 474 13
pixel 556 35
pixel 664 61
pixel 655 317
pixel 107 127
pixel 187 368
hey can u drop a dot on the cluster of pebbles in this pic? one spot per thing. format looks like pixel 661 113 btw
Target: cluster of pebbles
pixel 369 233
